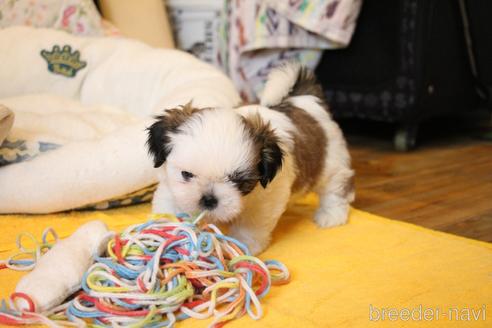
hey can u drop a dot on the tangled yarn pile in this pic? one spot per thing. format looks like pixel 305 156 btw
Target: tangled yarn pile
pixel 163 271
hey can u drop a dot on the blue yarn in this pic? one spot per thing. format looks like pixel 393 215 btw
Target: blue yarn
pixel 21 262
pixel 79 314
pixel 205 242
pixel 143 226
pixel 242 246
pixel 217 262
pixel 126 304
pixel 247 301
pixel 120 269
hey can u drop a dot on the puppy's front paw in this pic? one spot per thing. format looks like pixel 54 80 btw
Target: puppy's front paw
pixel 330 216
pixel 256 248
pixel 255 245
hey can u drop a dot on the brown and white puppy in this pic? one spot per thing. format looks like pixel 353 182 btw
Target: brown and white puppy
pixel 243 165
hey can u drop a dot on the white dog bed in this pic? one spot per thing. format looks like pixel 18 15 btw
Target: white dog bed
pixel 81 107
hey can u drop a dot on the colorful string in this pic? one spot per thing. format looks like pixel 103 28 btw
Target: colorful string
pixel 165 270
pixel 25 259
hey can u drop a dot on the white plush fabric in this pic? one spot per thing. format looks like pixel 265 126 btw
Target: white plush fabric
pixel 123 84
pixel 58 273
pixel 6 122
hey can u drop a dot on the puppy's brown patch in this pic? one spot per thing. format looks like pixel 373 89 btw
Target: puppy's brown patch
pixel 309 146
pixel 267 147
pixel 175 117
pixel 307 84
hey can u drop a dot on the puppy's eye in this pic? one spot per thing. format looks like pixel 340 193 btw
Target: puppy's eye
pixel 187 175
pixel 244 181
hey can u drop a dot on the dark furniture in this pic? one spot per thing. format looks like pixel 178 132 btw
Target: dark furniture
pixel 408 61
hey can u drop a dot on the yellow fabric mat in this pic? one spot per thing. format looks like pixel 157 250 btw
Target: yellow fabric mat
pixel 341 277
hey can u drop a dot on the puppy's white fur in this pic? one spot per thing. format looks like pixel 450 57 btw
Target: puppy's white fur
pixel 214 143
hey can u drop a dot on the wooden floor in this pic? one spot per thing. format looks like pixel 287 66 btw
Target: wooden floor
pixel 446 184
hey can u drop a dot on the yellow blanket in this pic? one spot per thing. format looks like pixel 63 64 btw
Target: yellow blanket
pixel 372 272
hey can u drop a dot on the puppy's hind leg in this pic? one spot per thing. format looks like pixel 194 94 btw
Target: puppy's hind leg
pixel 335 198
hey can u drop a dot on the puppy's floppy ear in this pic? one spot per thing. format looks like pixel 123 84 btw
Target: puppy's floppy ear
pixel 267 144
pixel 271 157
pixel 159 139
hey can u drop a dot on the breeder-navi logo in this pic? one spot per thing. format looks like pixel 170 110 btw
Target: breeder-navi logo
pixel 426 313
pixel 63 62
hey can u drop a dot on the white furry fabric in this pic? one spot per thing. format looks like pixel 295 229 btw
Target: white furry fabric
pixel 6 122
pixel 58 273
pixel 103 155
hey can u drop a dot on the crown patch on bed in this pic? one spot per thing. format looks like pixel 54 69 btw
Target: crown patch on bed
pixel 63 61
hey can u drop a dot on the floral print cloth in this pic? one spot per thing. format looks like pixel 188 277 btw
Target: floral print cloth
pixel 247 38
pixel 74 16
pixel 264 33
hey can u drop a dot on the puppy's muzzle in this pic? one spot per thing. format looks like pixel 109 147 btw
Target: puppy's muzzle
pixel 208 202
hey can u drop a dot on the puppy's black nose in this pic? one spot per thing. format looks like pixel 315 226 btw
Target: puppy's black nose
pixel 209 202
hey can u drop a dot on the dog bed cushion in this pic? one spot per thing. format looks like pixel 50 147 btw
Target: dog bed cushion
pixel 341 277
pixel 90 100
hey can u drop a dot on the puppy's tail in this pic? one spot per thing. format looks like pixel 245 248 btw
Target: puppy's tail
pixel 289 80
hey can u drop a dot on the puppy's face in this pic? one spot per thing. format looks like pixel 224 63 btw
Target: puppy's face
pixel 213 158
